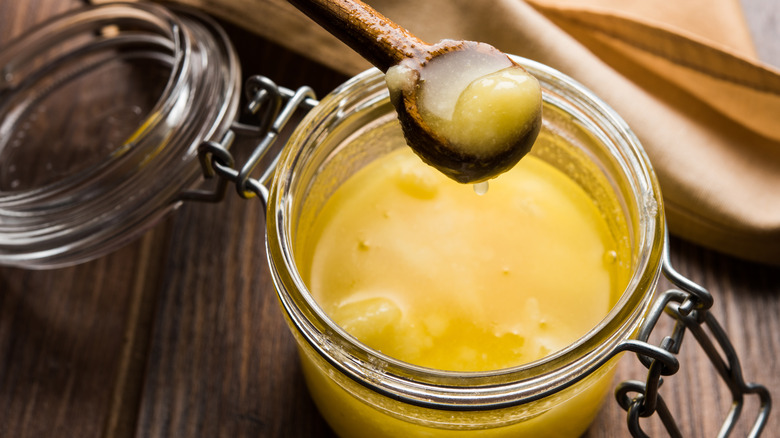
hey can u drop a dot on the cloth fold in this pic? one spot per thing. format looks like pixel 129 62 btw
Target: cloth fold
pixel 683 74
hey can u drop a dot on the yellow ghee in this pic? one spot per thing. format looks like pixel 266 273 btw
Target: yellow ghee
pixel 426 271
pixel 483 109
pixel 490 114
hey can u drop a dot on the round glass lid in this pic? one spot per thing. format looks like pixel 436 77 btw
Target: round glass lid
pixel 101 113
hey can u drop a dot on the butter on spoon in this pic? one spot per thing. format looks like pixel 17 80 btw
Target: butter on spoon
pixel 465 107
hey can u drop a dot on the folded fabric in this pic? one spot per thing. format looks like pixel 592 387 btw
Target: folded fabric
pixel 704 108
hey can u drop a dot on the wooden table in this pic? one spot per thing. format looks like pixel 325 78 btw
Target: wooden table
pixel 179 334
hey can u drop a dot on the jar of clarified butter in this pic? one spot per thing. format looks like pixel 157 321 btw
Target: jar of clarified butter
pixel 421 308
pixel 424 309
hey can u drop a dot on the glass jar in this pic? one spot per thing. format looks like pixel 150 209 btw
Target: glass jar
pixel 363 392
pixel 159 84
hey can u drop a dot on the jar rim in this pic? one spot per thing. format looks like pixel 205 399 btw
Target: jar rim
pixel 467 390
pixel 128 184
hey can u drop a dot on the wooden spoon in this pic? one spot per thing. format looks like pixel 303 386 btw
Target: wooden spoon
pixel 465 108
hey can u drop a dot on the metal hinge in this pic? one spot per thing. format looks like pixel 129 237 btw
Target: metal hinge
pixel 689 306
pixel 274 106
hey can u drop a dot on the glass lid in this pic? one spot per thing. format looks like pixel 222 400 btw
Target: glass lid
pixel 101 113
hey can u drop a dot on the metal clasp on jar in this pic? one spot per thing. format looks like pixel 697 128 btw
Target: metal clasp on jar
pixel 689 305
pixel 274 106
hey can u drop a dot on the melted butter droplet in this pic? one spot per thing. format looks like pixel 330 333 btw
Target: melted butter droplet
pixel 481 188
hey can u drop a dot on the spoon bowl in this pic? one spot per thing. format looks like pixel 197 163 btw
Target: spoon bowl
pixel 465 107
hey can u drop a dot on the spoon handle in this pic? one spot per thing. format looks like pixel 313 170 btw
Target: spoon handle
pixel 377 39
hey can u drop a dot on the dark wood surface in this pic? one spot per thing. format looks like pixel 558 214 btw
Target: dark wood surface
pixel 179 333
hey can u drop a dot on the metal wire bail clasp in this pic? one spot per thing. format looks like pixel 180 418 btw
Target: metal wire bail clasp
pixel 274 106
pixel 689 306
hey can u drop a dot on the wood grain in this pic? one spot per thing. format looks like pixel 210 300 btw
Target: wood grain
pixel 179 334
pixel 73 343
pixel 377 39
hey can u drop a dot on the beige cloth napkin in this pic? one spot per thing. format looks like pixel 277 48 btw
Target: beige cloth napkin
pixel 682 73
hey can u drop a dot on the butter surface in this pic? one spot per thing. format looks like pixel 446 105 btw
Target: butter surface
pixel 424 270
